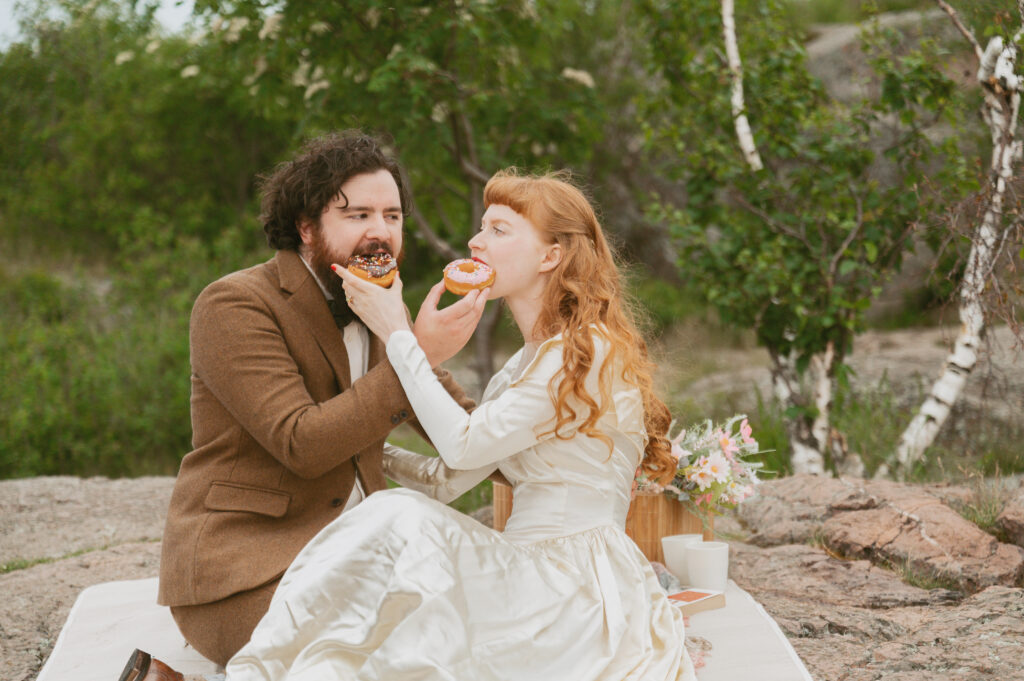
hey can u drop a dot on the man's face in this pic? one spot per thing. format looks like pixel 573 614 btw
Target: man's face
pixel 365 217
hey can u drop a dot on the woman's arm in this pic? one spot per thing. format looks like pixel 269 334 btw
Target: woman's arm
pixel 496 429
pixel 430 475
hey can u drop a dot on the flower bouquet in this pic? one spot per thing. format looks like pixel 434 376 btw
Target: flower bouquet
pixel 712 474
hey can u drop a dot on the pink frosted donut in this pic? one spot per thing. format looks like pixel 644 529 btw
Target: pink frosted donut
pixel 463 275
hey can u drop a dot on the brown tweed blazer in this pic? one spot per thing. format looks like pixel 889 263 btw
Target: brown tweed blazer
pixel 279 431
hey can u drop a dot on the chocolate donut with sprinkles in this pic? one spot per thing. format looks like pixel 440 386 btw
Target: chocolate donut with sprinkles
pixel 377 268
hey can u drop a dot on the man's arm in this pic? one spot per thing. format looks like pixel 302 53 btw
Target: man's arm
pixel 240 354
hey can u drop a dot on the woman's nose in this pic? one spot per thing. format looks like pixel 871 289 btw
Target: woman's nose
pixel 476 243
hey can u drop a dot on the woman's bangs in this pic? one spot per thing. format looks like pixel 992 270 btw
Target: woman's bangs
pixel 511 191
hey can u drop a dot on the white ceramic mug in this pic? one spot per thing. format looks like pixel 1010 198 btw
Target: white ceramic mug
pixel 674 548
pixel 707 565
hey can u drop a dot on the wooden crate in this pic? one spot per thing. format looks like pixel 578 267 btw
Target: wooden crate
pixel 653 516
pixel 650 517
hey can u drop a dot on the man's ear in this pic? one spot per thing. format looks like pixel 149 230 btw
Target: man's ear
pixel 306 229
pixel 552 257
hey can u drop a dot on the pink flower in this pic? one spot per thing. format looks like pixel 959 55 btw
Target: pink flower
pixel 728 446
pixel 745 433
pixel 680 453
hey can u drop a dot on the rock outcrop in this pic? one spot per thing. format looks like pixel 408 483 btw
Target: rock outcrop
pixel 817 553
pixel 911 528
pixel 1011 519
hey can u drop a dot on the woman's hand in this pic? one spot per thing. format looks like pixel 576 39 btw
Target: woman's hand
pixel 381 309
pixel 442 333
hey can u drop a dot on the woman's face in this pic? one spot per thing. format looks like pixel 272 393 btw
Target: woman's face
pixel 513 247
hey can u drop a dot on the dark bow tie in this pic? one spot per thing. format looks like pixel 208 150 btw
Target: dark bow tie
pixel 343 314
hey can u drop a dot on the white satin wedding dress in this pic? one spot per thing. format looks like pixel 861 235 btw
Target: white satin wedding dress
pixel 404 588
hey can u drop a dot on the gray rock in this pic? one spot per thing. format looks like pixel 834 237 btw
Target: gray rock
pixel 913 528
pixel 853 621
pixel 1011 519
pixel 35 602
pixel 825 579
pixel 793 510
pixel 51 517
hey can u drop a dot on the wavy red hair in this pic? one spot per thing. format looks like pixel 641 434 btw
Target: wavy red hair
pixel 585 289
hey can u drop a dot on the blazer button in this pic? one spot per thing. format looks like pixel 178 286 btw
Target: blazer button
pixel 395 419
pixel 404 414
pixel 336 503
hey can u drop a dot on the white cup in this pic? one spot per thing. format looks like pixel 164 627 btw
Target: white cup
pixel 674 547
pixel 707 565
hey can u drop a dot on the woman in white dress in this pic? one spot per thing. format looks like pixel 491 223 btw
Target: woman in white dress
pixel 403 587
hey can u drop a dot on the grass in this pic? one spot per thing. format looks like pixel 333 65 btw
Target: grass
pixel 23 563
pixel 922 579
pixel 987 502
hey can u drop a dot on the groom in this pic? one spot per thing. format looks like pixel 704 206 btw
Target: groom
pixel 292 398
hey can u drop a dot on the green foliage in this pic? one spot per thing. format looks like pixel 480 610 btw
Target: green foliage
pixel 105 124
pixel 799 249
pixel 872 417
pixel 806 13
pixel 462 88
pixel 96 383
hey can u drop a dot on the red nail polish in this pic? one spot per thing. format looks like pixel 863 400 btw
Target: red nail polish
pixel 334 267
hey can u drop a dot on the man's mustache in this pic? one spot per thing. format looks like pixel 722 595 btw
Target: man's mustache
pixel 375 247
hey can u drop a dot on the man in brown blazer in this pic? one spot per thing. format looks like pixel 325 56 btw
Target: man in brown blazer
pixel 290 408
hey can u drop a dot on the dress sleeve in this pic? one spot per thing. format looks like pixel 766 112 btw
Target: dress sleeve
pixel 496 429
pixel 430 474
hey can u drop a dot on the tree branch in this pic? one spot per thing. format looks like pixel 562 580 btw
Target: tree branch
pixel 436 243
pixel 963 29
pixel 834 263
pixel 772 224
pixel 440 246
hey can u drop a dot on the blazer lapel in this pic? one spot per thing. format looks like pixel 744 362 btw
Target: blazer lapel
pixel 308 300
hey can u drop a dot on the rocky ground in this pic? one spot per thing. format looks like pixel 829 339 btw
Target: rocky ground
pixel 870 580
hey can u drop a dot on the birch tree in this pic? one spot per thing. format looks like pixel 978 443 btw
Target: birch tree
pixel 1000 85
pixel 786 228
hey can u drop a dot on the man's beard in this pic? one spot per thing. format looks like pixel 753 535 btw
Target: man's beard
pixel 321 257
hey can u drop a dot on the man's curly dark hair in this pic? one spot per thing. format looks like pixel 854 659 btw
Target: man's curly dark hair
pixel 300 189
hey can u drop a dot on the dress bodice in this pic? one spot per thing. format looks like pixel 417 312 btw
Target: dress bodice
pixel 560 486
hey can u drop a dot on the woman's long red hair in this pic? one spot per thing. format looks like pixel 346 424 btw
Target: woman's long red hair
pixel 583 289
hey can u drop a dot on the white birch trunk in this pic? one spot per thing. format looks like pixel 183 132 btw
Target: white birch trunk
pixel 807 439
pixel 1002 103
pixel 739 115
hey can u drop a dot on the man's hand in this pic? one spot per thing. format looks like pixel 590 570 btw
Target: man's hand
pixel 442 333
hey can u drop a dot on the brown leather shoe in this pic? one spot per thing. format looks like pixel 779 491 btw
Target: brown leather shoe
pixel 143 667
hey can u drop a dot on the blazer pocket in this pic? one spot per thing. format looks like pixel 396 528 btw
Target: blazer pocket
pixel 230 496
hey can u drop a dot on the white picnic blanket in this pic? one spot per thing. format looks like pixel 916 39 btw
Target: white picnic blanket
pixel 110 620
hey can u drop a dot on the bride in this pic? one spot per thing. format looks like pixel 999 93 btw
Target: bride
pixel 403 587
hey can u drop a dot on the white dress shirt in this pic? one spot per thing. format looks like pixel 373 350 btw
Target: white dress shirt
pixel 357 344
